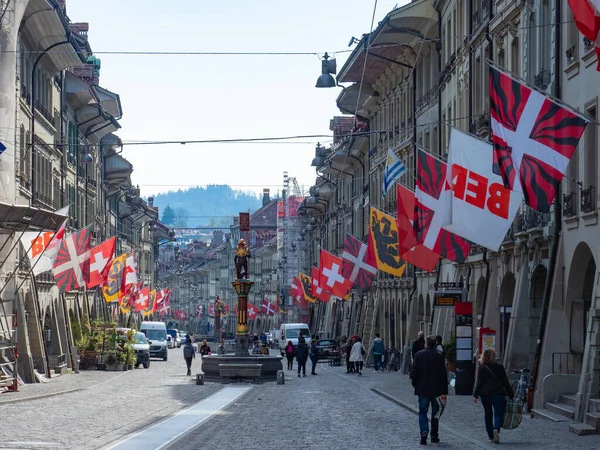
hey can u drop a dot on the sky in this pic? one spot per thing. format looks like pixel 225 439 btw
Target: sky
pixel 200 97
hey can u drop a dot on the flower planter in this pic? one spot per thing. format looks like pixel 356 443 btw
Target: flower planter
pixel 115 367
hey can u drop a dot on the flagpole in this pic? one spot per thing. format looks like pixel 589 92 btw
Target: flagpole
pixel 20 261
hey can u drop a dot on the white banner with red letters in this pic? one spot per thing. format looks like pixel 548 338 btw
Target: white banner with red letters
pixel 482 208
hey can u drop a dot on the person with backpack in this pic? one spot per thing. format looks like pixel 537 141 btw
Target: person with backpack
pixel 301 356
pixel 189 353
pixel 439 347
pixel 289 354
pixel 377 349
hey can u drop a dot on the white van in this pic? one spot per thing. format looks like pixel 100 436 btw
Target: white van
pixel 291 332
pixel 156 333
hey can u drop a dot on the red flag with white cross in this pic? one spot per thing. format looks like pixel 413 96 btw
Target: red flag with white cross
pixel 534 138
pixel 100 258
pixel 331 276
pixel 252 311
pixel 317 290
pixel 142 300
pixel 72 265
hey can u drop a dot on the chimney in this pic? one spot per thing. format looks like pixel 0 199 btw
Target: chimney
pixel 151 201
pixel 266 196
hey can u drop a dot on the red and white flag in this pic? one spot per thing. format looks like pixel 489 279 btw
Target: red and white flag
pixel 358 266
pixel 43 248
pixel 199 310
pixel 410 250
pixel 252 312
pixel 318 292
pixel 264 305
pixel 330 275
pixel 130 278
pixel 297 292
pixel 180 314
pixel 432 210
pixel 72 265
pixel 142 300
pixel 100 258
pixel 534 139
pixel 271 309
pixel 587 18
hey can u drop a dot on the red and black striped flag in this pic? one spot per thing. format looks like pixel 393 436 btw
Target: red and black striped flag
pixel 534 138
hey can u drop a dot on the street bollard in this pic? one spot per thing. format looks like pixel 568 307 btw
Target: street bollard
pixel 200 379
pixel 280 377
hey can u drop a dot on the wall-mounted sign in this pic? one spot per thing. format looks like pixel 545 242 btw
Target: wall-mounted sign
pixel 449 285
pixel 445 298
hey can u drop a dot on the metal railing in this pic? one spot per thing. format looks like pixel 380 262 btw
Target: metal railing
pixel 587 200
pixel 569 209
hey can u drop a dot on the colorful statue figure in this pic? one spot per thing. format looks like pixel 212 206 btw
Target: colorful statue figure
pixel 241 261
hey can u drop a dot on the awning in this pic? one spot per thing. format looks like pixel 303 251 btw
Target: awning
pixel 78 93
pixel 101 128
pixel 117 169
pixel 111 102
pixel 27 218
pixel 393 39
pixel 46 25
pixel 349 98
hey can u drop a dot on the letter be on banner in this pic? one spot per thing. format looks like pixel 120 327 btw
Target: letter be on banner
pixel 482 209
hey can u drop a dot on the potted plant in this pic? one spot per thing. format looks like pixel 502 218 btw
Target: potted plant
pixel 450 348
pixel 112 360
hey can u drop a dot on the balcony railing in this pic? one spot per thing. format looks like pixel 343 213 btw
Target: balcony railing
pixel 531 219
pixel 44 112
pixel 542 79
pixel 569 208
pixel 427 97
pixel 587 200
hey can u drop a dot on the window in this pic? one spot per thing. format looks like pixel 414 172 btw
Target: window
pixel 545 30
pixel 515 62
pixel 591 150
pixel 572 52
pixel 477 81
pixel 532 47
pixel 24 167
pixel 501 61
pixel 72 144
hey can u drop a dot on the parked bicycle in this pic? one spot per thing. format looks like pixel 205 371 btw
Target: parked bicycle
pixel 521 386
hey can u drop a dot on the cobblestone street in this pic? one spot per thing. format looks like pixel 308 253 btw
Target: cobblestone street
pixel 332 410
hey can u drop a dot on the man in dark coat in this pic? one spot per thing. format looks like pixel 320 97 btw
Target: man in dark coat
pixel 418 345
pixel 429 378
pixel 301 355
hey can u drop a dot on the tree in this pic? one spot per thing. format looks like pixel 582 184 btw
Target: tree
pixel 181 216
pixel 168 216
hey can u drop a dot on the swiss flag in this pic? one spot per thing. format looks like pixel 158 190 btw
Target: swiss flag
pixel 331 276
pixel 297 292
pixel 100 259
pixel 317 290
pixel 142 300
pixel 252 311
pixel 181 315
pixel 410 251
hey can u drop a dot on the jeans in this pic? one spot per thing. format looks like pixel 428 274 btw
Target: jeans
pixel 424 401
pixel 188 362
pixel 493 407
pixel 357 367
pixel 314 360
pixel 302 365
pixel 290 360
pixel 377 361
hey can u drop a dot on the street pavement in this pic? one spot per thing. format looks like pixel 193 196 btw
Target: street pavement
pixel 162 408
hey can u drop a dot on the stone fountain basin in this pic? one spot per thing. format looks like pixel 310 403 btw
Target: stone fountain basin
pixel 230 367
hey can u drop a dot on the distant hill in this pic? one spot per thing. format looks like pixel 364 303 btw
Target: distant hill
pixel 205 206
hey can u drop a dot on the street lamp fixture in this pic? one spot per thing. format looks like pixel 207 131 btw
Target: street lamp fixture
pixel 328 67
pixel 87 159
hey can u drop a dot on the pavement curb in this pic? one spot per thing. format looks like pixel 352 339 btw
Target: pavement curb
pixel 38 397
pixel 400 403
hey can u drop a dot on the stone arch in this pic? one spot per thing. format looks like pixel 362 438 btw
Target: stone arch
pixel 505 301
pixel 580 286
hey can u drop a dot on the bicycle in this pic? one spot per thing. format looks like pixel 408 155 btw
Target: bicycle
pixel 521 386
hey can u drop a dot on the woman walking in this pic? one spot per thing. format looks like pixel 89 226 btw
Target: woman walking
pixel 204 348
pixel 289 354
pixel 493 386
pixel 348 349
pixel 356 354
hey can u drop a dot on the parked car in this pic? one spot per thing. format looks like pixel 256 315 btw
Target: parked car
pixel 326 347
pixel 183 337
pixel 142 350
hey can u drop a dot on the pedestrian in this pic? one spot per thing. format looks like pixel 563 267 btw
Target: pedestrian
pixel 189 353
pixel 264 350
pixel 419 344
pixel 428 376
pixel 204 348
pixel 357 354
pixel 301 356
pixel 222 347
pixel 377 350
pixel 348 349
pixel 314 356
pixel 439 347
pixel 289 354
pixel 493 387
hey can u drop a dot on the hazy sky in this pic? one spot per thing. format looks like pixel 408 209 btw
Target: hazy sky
pixel 192 97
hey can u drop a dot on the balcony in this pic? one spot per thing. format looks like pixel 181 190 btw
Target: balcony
pixel 428 97
pixel 44 113
pixel 588 200
pixel 569 207
pixel 530 219
pixel 542 79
